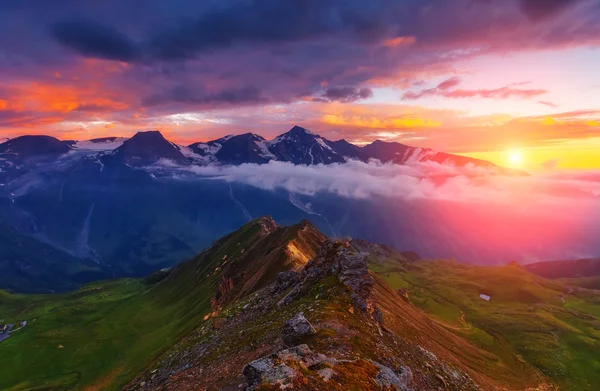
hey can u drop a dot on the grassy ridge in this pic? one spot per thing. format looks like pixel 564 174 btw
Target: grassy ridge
pixel 528 317
pixel 102 335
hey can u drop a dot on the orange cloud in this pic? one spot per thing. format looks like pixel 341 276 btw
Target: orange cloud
pixel 404 122
pixel 44 97
pixel 409 40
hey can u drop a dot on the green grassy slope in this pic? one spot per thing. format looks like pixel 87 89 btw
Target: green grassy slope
pixel 102 335
pixel 528 317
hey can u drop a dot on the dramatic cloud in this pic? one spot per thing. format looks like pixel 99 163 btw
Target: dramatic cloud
pixel 92 39
pixel 78 67
pixel 269 21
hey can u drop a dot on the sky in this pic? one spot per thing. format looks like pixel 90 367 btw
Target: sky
pixel 511 81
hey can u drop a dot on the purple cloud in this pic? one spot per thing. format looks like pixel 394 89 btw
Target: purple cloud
pixel 162 57
pixel 344 94
pixel 447 90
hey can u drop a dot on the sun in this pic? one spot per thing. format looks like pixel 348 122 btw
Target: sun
pixel 515 157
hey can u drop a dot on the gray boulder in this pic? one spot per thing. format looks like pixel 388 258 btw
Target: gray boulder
pixel 297 328
pixel 388 379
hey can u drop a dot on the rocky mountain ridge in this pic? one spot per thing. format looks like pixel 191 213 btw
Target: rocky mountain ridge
pixel 297 146
pixel 329 325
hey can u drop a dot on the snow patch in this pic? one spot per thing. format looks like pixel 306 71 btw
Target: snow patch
pixel 196 158
pixel 419 155
pixel 264 149
pixel 323 144
pixel 107 145
pixel 208 148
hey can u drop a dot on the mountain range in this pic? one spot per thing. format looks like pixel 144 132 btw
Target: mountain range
pixel 297 146
pixel 125 207
pixel 271 307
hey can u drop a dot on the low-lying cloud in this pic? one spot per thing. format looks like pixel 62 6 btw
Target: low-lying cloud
pixel 430 180
pixel 439 210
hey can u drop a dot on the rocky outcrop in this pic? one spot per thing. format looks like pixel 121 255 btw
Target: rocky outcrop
pixel 284 281
pixel 351 268
pixel 297 328
pixel 281 368
pixel 267 224
pixel 224 286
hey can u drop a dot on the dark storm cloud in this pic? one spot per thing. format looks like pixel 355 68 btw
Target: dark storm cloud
pixel 351 28
pixel 268 21
pixel 344 94
pixel 244 52
pixel 92 39
pixel 258 22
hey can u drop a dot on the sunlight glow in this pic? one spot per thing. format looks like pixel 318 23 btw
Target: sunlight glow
pixel 515 157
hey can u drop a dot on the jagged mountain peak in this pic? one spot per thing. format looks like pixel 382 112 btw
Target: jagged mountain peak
pixel 301 146
pixel 296 131
pixel 300 129
pixel 251 136
pixel 298 146
pixel 235 150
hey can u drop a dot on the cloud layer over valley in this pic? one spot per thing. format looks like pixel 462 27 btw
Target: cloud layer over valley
pixel 426 206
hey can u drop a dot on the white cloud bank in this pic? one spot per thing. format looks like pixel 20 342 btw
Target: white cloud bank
pixel 429 180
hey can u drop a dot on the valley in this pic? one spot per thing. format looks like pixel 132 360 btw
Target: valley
pixel 377 314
